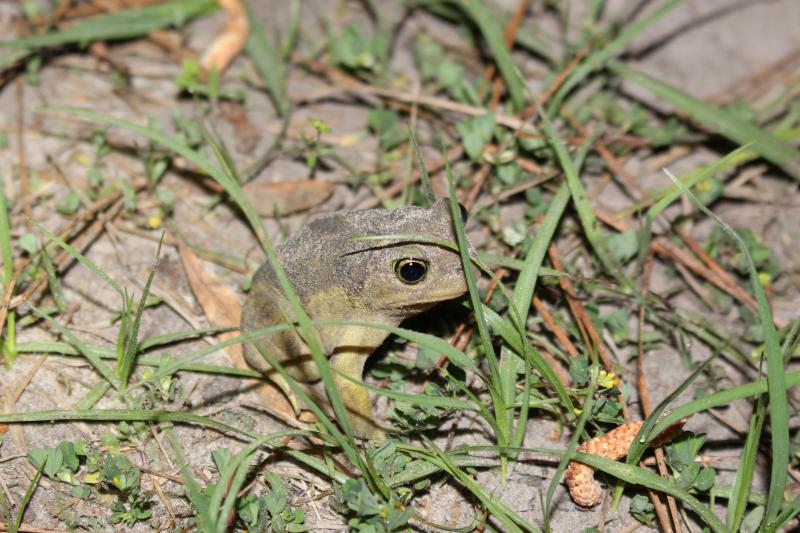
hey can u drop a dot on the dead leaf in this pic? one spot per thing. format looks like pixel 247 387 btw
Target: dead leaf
pixel 231 41
pixel 287 196
pixel 221 307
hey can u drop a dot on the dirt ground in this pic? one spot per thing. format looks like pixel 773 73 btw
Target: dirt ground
pixel 711 49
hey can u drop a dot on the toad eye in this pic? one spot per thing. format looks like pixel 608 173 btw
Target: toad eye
pixel 411 271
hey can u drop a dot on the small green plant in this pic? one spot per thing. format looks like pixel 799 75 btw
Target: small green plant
pixel 368 512
pixel 271 511
pixel 642 509
pixel 80 465
pixel 690 474
pixel 387 125
pixel 356 51
pixel 192 80
pixel 315 148
pixel 476 133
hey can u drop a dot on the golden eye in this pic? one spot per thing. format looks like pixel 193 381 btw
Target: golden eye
pixel 410 270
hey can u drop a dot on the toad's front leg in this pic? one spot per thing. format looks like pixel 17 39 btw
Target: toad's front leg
pixel 350 362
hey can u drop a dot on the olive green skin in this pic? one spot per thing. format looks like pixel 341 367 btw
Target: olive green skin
pixel 339 278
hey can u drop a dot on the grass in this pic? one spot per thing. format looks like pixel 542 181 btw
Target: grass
pixel 541 345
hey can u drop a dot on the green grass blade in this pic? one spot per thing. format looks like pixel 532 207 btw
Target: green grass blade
pixel 184 362
pixel 5 240
pixel 269 63
pixel 776 378
pixel 670 195
pixel 62 348
pixel 740 491
pixel 641 476
pixel 791 340
pixel 120 25
pixel 5 507
pixel 494 384
pixel 511 336
pixel 591 227
pixel 8 342
pixel 177 336
pixel 417 399
pixel 118 415
pixel 226 510
pixel 205 521
pixel 26 499
pixel 229 483
pixel 128 360
pixel 10 57
pixel 490 28
pixel 723 397
pixel 53 282
pixel 743 156
pixel 646 435
pixel 510 520
pixel 771 147
pixel 599 58
pixel 94 395
pixel 586 412
pixel 424 177
pixel 537 251
pixel 789 512
pixel 82 259
pixel 89 354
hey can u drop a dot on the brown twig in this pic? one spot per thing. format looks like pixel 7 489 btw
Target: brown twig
pixel 551 324
pixel 644 394
pixel 509 35
pixel 664 247
pixel 705 258
pixel 613 163
pixel 64 258
pixel 591 338
pixel 545 96
pixel 481 176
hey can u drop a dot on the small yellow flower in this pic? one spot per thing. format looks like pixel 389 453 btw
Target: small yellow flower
pixel 764 278
pixel 607 380
pixel 154 222
pixel 577 411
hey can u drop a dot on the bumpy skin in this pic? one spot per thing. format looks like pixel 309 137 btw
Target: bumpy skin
pixel 338 278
